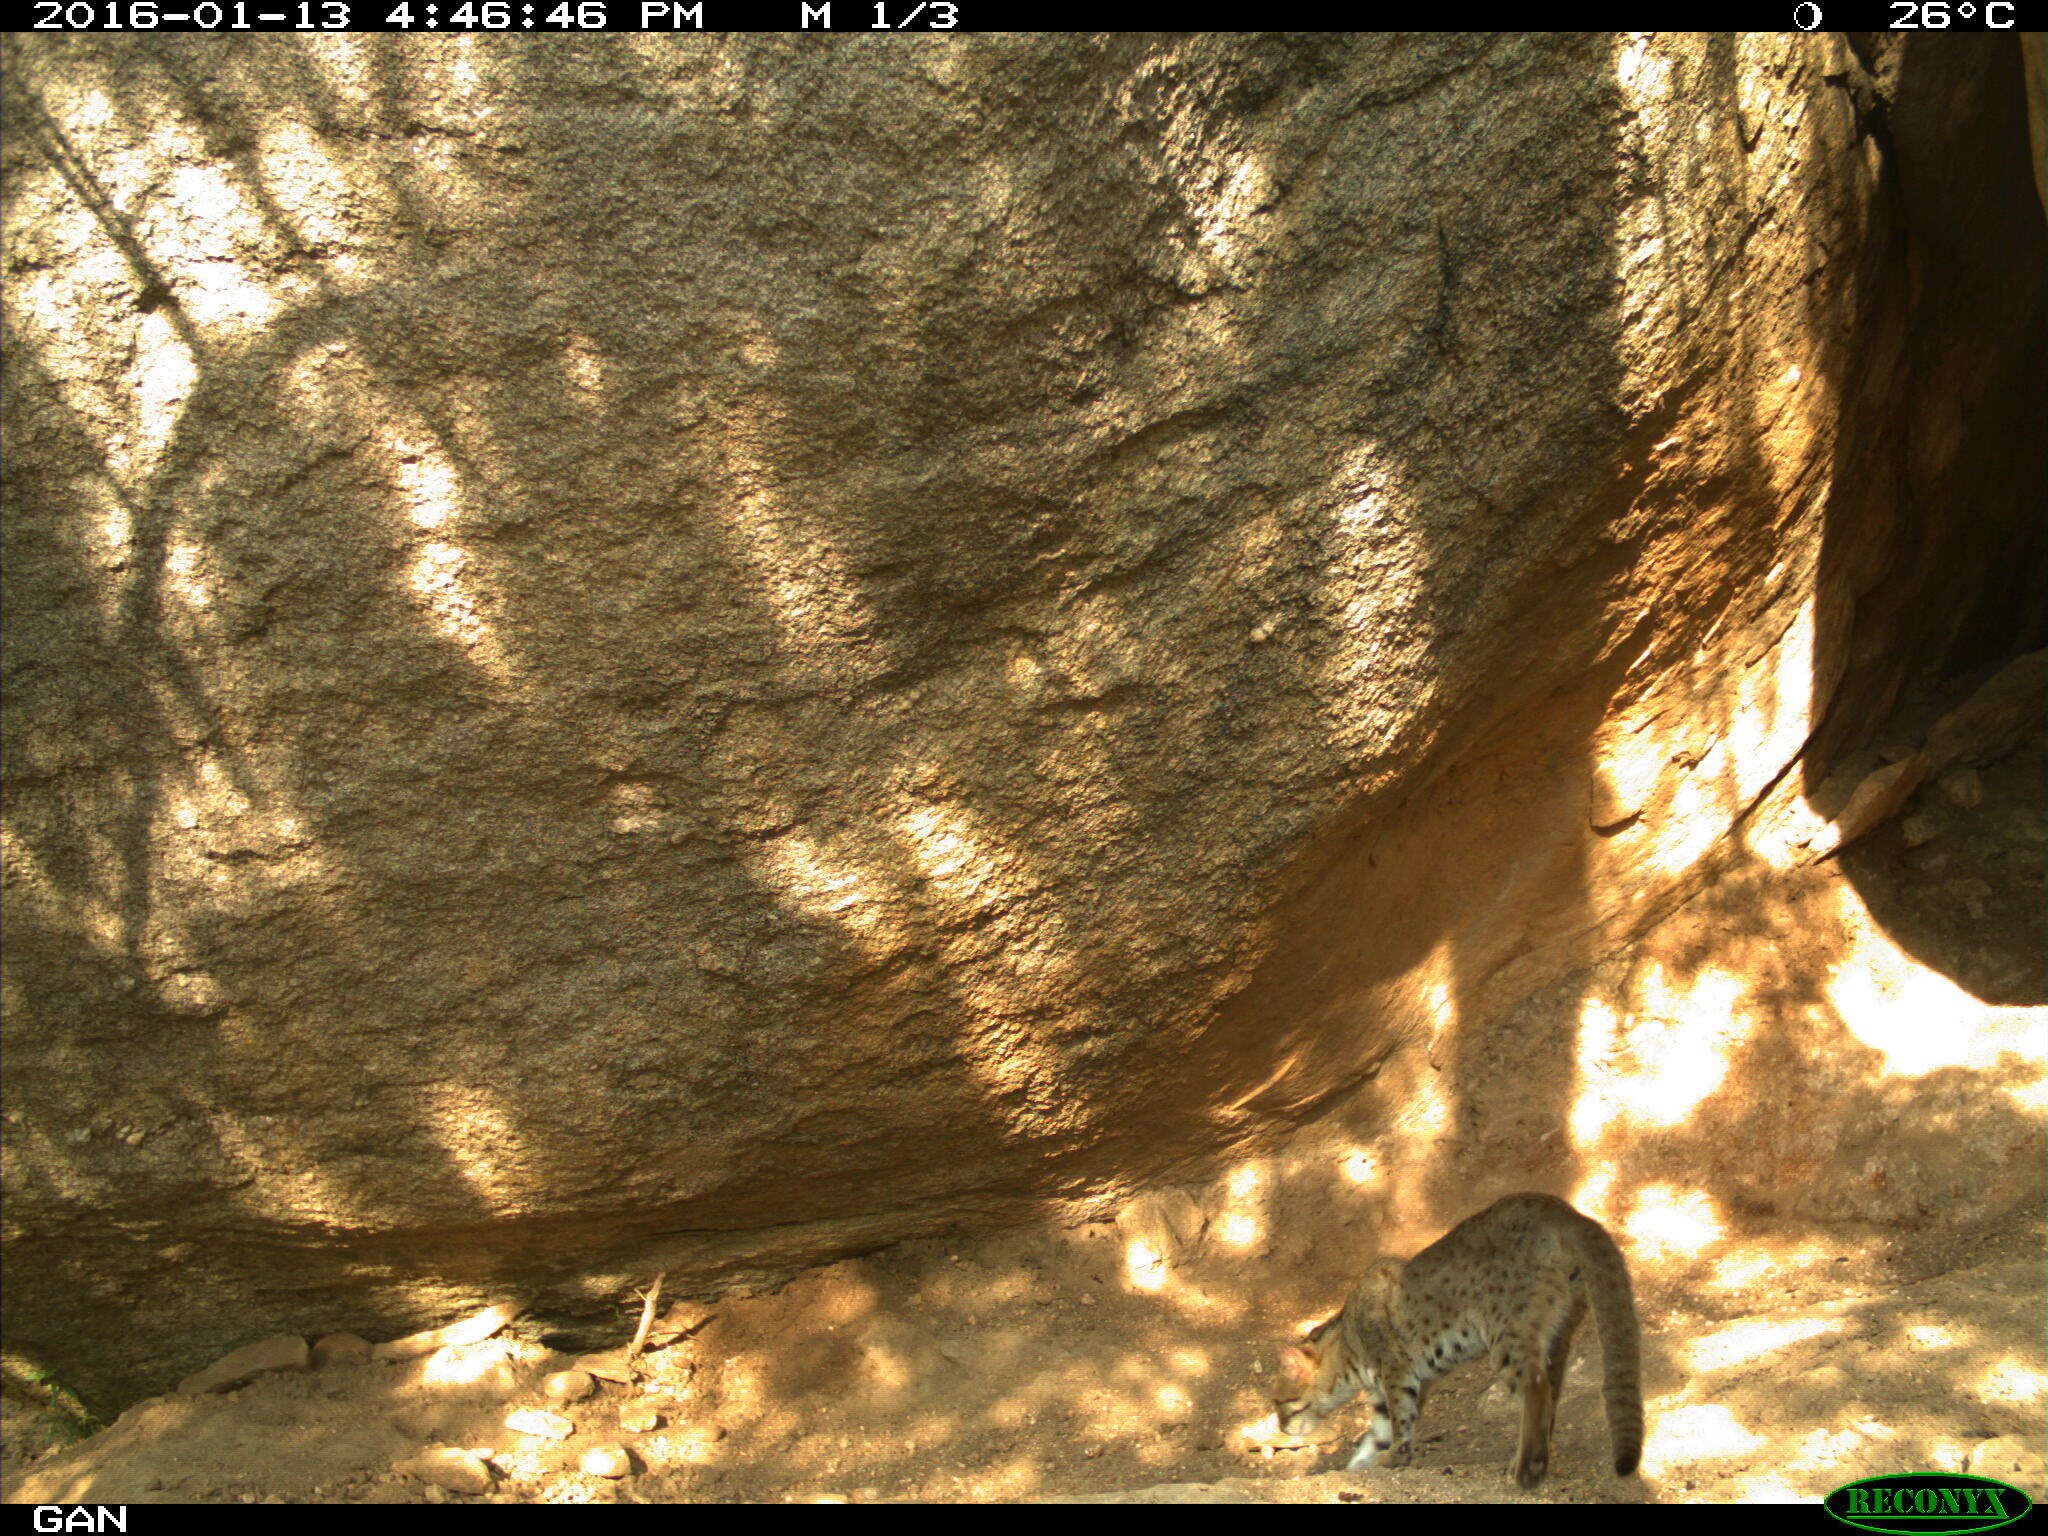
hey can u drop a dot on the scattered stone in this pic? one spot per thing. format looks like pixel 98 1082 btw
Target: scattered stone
pixel 538 1421
pixel 1917 830
pixel 479 1326
pixel 639 1418
pixel 2011 1459
pixel 569 1386
pixel 286 1352
pixel 1877 799
pixel 1964 788
pixel 606 1461
pixel 609 1367
pixel 1996 718
pixel 435 1420
pixel 473 1329
pixel 483 1369
pixel 339 1349
pixel 457 1471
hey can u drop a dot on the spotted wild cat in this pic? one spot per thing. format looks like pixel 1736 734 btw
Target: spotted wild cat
pixel 1511 1283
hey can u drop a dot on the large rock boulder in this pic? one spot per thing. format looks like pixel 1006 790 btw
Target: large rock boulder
pixel 697 654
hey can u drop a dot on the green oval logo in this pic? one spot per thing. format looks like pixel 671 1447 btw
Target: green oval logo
pixel 1908 1503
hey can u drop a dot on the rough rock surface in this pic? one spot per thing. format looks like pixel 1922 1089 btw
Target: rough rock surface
pixel 701 654
pixel 286 1352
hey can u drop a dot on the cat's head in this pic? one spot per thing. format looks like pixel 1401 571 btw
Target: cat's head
pixel 1305 1380
pixel 1322 1373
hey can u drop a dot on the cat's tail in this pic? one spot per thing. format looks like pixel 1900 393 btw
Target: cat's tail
pixel 1614 1314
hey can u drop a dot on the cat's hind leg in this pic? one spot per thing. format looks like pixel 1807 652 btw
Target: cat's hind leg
pixel 1539 1410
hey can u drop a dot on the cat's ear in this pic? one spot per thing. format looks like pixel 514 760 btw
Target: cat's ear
pixel 1383 1280
pixel 1295 1367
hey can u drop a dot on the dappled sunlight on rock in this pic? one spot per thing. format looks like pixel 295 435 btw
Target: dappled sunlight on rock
pixel 1377 590
pixel 1670 1053
pixel 166 371
pixel 1012 1053
pixel 685 657
pixel 441 572
pixel 480 1139
pixel 462 1364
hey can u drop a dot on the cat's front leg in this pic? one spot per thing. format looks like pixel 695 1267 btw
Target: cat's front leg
pixel 1393 1428
pixel 1378 1439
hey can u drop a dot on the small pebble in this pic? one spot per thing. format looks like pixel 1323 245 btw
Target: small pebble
pixel 1963 788
pixel 639 1418
pixel 569 1386
pixel 473 1329
pixel 1917 830
pixel 608 1368
pixel 286 1352
pixel 606 1461
pixel 456 1471
pixel 339 1349
pixel 538 1421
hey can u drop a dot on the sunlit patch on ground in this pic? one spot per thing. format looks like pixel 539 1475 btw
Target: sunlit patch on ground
pixel 1145 1268
pixel 1668 1222
pixel 1700 1432
pixel 1360 1166
pixel 1746 1341
pixel 1239 1229
pixel 1742 1265
pixel 1767 1490
pixel 2012 1381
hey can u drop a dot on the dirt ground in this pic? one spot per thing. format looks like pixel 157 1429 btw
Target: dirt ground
pixel 995 1374
pixel 1787 1349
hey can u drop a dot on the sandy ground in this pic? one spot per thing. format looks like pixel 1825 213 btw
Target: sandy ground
pixel 1030 1366
pixel 1129 1358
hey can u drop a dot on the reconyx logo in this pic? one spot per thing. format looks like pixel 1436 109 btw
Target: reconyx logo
pixel 1946 1502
